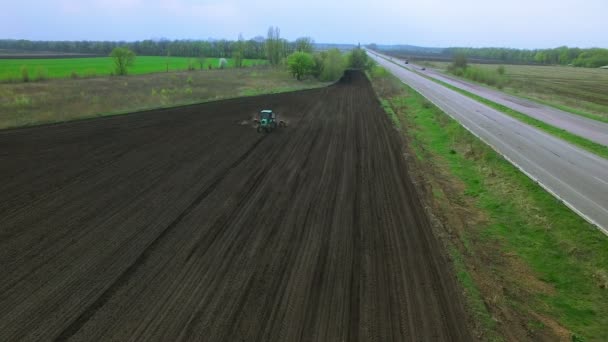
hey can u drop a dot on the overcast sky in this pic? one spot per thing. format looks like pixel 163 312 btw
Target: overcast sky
pixel 442 23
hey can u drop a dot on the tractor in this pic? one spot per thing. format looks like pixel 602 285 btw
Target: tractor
pixel 267 121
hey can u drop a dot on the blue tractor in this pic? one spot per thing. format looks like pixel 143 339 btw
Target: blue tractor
pixel 267 121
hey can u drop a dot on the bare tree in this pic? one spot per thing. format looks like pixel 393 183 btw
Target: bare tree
pixel 239 52
pixel 273 45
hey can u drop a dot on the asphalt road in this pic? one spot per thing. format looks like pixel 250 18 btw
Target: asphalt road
pixel 593 130
pixel 575 176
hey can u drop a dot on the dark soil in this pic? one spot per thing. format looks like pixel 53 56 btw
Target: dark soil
pixel 179 224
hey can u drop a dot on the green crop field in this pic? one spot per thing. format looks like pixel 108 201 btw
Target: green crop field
pixel 11 69
pixel 582 91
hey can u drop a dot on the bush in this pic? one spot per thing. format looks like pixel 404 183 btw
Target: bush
pixel 333 65
pixel 501 70
pixel 25 75
pixel 191 64
pixel 123 60
pixel 379 72
pixel 300 64
pixel 460 61
pixel 22 101
pixel 480 75
pixel 358 59
pixel 41 74
pixel 90 73
pixel 74 74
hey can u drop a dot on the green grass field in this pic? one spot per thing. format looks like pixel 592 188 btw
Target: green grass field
pixel 524 251
pixel 10 69
pixel 582 91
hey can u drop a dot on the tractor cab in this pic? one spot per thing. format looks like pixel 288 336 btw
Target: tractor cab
pixel 267 121
pixel 267 115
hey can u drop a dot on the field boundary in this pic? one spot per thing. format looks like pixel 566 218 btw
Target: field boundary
pixel 109 115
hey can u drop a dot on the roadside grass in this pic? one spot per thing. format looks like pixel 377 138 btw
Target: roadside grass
pixel 60 100
pixel 13 70
pixel 581 91
pixel 548 266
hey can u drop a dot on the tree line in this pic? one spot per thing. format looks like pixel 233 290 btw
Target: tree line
pixel 591 58
pixel 255 48
pixel 563 55
pixel 325 65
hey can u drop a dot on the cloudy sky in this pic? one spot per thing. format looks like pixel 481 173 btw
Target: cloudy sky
pixel 507 23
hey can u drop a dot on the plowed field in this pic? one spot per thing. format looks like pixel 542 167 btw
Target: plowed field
pixel 186 224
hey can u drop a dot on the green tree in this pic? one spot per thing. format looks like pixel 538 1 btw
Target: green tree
pixel 460 60
pixel 319 59
pixel 304 44
pixel 239 52
pixel 273 45
pixel 358 59
pixel 167 60
pixel 300 64
pixel 201 61
pixel 333 65
pixel 123 59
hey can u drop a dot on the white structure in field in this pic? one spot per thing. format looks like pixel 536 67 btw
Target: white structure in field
pixel 222 63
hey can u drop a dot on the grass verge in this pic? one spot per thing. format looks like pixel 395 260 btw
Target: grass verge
pixel 530 267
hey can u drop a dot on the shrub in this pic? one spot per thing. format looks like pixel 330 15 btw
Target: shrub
pixel 480 75
pixel 41 74
pixel 90 73
pixel 25 75
pixel 123 59
pixel 300 64
pixel 460 61
pixel 22 101
pixel 501 70
pixel 191 64
pixel 333 65
pixel 74 74
pixel 378 72
pixel 358 59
